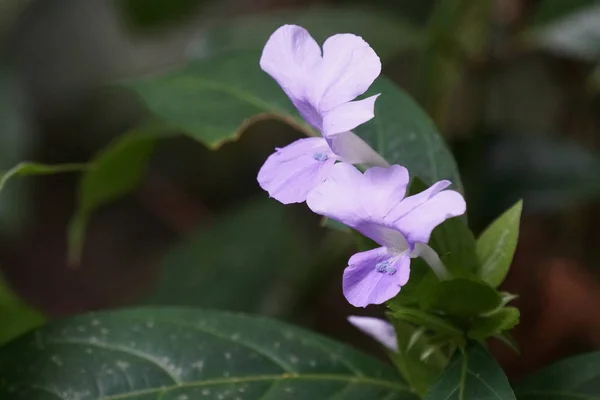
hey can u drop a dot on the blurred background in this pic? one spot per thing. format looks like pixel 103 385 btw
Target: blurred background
pixel 513 85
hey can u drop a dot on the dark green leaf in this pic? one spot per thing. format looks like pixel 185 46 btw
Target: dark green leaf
pixel 403 134
pixel 422 283
pixel 509 340
pixel 214 101
pixel 176 354
pixel 497 244
pixel 463 298
pixel 114 172
pixel 419 360
pixel 251 259
pixel 16 317
pixel 472 375
pixel 569 379
pixel 28 168
pixel 494 323
pixel 456 246
pixel 424 319
pixel 386 34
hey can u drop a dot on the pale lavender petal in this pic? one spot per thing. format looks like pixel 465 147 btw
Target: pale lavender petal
pixel 375 276
pixel 382 190
pixel 341 198
pixel 292 57
pixel 379 329
pixel 349 67
pixel 353 150
pixel 293 171
pixel 418 223
pixel 348 116
pixel 337 197
pixel 414 201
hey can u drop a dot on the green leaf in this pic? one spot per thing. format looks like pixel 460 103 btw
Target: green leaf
pixel 569 379
pixel 29 168
pixel 251 259
pixel 472 375
pixel 497 244
pixel 494 323
pixel 215 100
pixel 422 283
pixel 424 319
pixel 385 33
pixel 178 353
pixel 456 246
pixel 413 343
pixel 463 298
pixel 404 134
pixel 16 317
pixel 114 173
pixel 509 340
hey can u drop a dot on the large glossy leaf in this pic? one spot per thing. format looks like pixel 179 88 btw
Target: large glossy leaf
pixel 387 34
pixel 472 375
pixel 497 244
pixel 215 100
pixel 569 379
pixel 115 171
pixel 176 354
pixel 251 259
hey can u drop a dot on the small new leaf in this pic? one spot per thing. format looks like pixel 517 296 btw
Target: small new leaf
pixel 493 324
pixel 463 298
pixel 496 246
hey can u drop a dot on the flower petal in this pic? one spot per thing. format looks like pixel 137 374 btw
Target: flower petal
pixel 420 219
pixel 337 197
pixel 364 283
pixel 344 196
pixel 383 189
pixel 291 172
pixel 348 116
pixel 349 67
pixel 379 329
pixel 353 150
pixel 291 56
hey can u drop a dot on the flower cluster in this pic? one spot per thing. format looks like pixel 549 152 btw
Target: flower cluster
pixel 323 86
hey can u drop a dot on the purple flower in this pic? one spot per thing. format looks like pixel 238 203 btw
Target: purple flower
pixel 322 87
pixel 374 204
pixel 379 329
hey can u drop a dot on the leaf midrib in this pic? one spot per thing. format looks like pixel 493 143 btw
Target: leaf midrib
pixel 262 378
